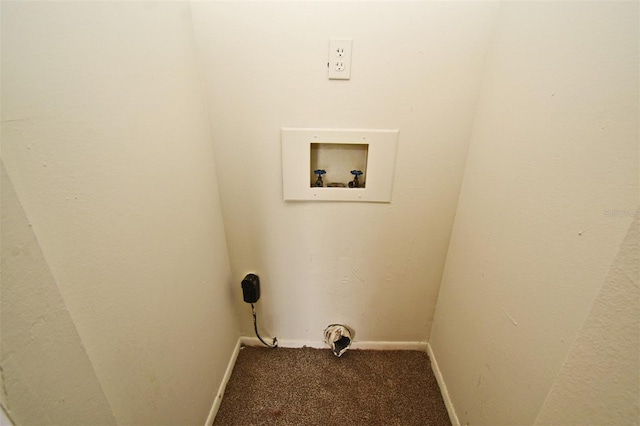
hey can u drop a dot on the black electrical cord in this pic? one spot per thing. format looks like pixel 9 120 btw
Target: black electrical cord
pixel 255 327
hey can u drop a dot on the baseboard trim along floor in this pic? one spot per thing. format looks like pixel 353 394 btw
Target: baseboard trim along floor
pixel 443 388
pixel 223 385
pixel 318 344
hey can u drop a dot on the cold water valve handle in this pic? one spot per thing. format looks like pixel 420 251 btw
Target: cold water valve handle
pixel 355 183
pixel 319 182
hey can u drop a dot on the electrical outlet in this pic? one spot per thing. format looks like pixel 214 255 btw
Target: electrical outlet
pixel 340 59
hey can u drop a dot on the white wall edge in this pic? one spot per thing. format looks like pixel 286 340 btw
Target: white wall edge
pixel 443 387
pixel 223 385
pixel 317 344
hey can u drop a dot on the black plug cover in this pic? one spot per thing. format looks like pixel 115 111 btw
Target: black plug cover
pixel 251 288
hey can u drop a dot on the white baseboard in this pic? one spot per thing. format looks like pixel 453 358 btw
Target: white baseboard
pixel 318 344
pixel 443 388
pixel 283 343
pixel 225 379
pixel 390 346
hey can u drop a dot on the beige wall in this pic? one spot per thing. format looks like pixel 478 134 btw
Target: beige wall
pixel 47 376
pixel 416 66
pixel 598 383
pixel 116 301
pixel 119 284
pixel 549 193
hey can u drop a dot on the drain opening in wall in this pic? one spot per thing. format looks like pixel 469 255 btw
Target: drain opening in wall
pixel 339 338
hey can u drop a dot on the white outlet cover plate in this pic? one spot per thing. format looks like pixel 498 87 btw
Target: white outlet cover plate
pixel 296 163
pixel 340 59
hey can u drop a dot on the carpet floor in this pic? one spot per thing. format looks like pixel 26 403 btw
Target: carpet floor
pixel 313 387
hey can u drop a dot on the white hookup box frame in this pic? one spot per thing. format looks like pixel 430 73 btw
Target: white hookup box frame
pixel 381 145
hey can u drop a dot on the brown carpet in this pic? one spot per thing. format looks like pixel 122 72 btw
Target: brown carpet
pixel 313 387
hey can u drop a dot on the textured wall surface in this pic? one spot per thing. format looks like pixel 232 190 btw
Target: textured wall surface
pixel 106 141
pixel 550 190
pixel 416 67
pixel 45 368
pixel 600 381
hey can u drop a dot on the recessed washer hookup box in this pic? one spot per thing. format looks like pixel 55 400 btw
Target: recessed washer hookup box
pixel 338 164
